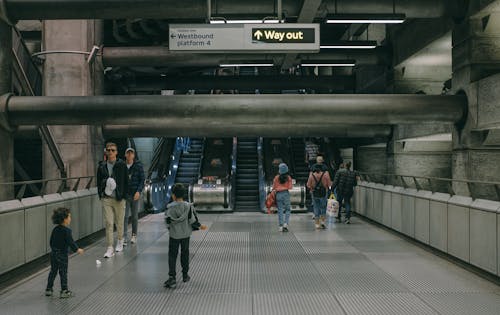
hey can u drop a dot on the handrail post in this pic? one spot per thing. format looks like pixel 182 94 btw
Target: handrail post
pixel 90 182
pixel 450 188
pixel 405 185
pixel 417 185
pixel 75 187
pixel 430 185
pixel 20 193
pixel 497 190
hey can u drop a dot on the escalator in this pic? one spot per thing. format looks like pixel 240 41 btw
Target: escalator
pixel 247 176
pixel 300 167
pixel 189 163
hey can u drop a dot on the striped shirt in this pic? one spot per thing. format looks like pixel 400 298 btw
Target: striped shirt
pixel 312 150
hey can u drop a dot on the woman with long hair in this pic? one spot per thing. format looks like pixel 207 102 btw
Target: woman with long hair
pixel 282 183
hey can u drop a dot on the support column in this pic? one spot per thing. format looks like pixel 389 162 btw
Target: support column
pixel 71 75
pixel 6 138
pixel 476 68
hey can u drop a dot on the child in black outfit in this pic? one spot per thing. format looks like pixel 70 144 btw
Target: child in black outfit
pixel 60 240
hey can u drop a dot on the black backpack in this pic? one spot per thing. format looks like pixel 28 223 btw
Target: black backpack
pixel 319 191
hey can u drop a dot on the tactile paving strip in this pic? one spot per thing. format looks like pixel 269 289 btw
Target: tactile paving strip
pixel 296 304
pixel 463 303
pixel 344 263
pixel 327 247
pixel 119 303
pixel 383 304
pixel 363 282
pixel 208 304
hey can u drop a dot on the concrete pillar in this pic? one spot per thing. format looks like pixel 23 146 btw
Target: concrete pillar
pixel 428 156
pixel 70 75
pixel 6 139
pixel 476 67
pixel 371 159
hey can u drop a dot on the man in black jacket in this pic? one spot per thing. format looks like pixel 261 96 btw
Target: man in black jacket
pixel 112 183
pixel 344 181
pixel 134 190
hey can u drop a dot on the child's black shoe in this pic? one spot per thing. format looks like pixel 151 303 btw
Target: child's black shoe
pixel 186 278
pixel 66 294
pixel 170 283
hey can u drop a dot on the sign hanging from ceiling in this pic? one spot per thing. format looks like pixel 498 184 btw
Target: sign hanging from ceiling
pixel 206 38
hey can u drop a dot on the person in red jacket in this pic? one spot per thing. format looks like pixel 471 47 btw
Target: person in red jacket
pixel 282 183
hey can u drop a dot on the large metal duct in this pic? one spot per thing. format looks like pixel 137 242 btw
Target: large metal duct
pixel 337 83
pixel 162 56
pixel 255 130
pixel 196 9
pixel 286 130
pixel 229 110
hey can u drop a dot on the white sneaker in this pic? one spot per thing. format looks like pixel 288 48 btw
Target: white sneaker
pixel 133 239
pixel 119 246
pixel 109 252
pixel 280 229
pixel 317 226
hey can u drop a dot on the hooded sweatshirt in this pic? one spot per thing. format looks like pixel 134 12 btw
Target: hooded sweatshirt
pixel 180 224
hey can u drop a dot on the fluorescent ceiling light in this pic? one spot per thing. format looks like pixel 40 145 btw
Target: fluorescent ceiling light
pixel 328 63
pixel 369 44
pixel 347 47
pixel 242 64
pixel 366 19
pixel 244 21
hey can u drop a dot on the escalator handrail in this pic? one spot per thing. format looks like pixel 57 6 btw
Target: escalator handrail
pixel 170 180
pixel 203 141
pixel 233 172
pixel 22 56
pixel 292 157
pixel 262 180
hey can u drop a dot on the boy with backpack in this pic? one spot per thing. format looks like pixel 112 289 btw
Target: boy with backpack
pixel 319 183
pixel 180 218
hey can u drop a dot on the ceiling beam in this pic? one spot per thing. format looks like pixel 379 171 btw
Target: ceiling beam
pixel 160 56
pixel 269 82
pixel 307 15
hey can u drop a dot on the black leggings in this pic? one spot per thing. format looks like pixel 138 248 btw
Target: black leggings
pixel 173 250
pixel 58 262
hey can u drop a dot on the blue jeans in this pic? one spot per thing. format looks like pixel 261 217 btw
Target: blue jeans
pixel 320 206
pixel 283 203
pixel 347 202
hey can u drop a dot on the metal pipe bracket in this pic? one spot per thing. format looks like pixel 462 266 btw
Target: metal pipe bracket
pixel 4 120
pixel 3 13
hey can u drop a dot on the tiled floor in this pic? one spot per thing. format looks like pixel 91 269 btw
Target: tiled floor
pixel 243 265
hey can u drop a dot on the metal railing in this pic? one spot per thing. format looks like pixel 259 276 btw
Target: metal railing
pixel 32 77
pixel 435 184
pixel 31 80
pixel 63 186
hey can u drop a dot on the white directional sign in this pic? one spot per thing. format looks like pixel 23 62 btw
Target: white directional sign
pixel 244 37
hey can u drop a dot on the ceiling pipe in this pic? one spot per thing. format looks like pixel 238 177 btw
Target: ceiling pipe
pixel 195 9
pixel 228 110
pixel 176 130
pixel 267 130
pixel 161 56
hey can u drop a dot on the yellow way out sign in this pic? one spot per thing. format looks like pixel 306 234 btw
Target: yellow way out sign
pixel 283 35
pixel 259 38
